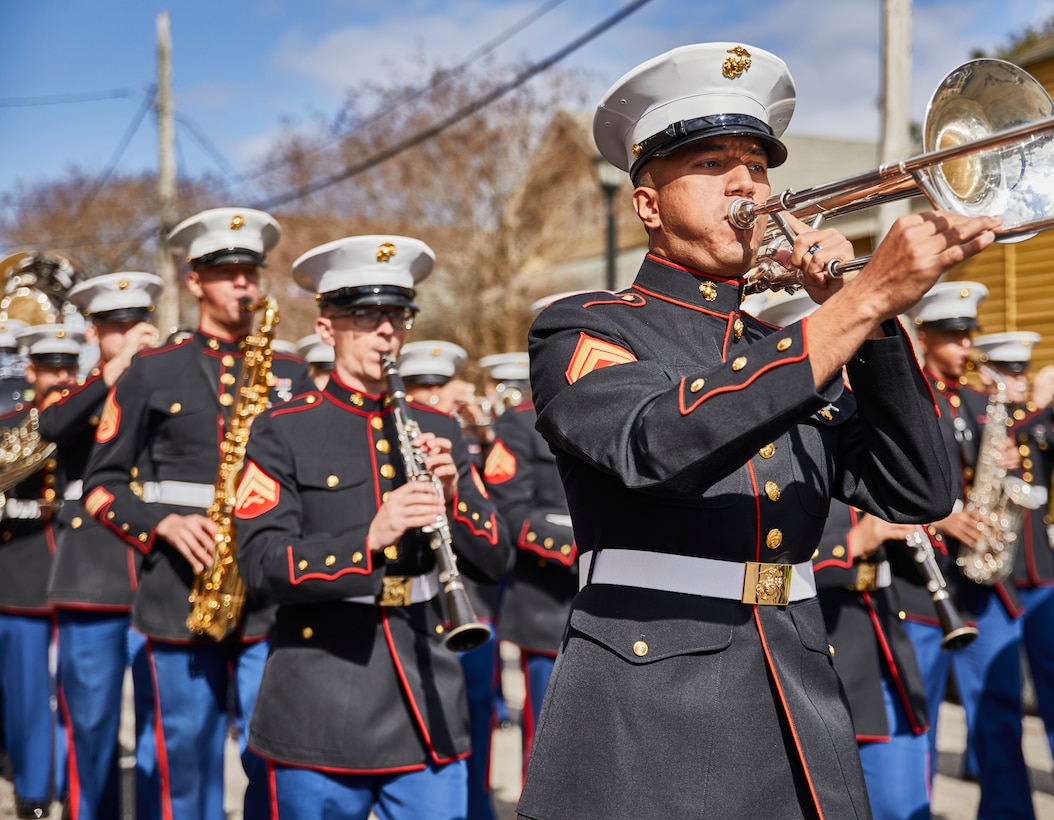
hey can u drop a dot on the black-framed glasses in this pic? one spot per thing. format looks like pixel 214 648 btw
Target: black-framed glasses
pixel 370 318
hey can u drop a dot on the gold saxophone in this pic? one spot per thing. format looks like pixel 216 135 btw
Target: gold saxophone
pixel 997 497
pixel 218 594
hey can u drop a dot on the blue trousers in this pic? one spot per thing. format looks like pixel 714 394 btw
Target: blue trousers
pixel 433 793
pixel 147 778
pixel 481 668
pixel 934 665
pixel 988 678
pixel 897 772
pixel 33 743
pixel 537 669
pixel 94 650
pixel 196 685
pixel 1037 635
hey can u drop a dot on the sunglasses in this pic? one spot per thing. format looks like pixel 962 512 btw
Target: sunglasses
pixel 370 318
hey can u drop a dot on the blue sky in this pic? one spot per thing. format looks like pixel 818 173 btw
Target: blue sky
pixel 244 71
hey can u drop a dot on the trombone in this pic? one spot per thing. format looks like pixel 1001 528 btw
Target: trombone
pixel 988 152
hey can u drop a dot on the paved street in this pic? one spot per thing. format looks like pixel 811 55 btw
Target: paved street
pixel 953 799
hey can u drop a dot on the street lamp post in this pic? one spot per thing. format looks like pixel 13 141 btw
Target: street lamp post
pixel 610 180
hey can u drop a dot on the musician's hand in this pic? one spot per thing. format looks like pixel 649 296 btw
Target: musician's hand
pixel 870 531
pixel 140 337
pixel 964 525
pixel 1043 386
pixel 1009 455
pixel 414 504
pixel 439 461
pixel 192 536
pixel 813 249
pixel 918 249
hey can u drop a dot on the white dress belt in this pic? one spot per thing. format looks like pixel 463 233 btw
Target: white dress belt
pixel 73 490
pixel 178 493
pixel 682 573
pixel 422 588
pixel 23 509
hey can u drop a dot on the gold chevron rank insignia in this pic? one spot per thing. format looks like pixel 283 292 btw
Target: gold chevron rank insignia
pixel 257 493
pixel 593 354
pixel 501 464
pixel 109 421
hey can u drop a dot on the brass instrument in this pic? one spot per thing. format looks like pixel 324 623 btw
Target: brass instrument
pixel 987 151
pixel 956 634
pixel 34 286
pixel 998 498
pixel 22 453
pixel 466 632
pixel 218 594
pixel 508 395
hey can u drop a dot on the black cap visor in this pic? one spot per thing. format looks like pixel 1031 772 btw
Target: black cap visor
pixel 678 134
pixel 55 359
pixel 131 314
pixel 368 296
pixel 1011 367
pixel 428 379
pixel 228 256
pixel 955 323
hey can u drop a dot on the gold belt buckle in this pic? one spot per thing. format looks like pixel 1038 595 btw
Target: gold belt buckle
pixel 767 584
pixel 866 577
pixel 396 590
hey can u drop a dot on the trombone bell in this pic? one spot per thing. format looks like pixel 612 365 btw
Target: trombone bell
pixel 989 151
pixel 976 101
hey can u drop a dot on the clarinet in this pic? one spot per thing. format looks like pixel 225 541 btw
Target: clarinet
pixel 956 634
pixel 466 632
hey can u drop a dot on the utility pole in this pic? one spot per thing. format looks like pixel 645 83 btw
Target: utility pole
pixel 896 99
pixel 168 302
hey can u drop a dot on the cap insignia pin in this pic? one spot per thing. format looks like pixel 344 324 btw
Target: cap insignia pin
pixel 237 222
pixel 122 285
pixel 735 65
pixel 385 252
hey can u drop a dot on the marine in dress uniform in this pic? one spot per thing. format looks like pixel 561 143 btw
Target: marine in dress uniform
pixel 319 358
pixel 27 618
pixel 873 656
pixel 94 575
pixel 987 672
pixel 521 474
pixel 169 412
pixel 699 450
pixel 361 705
pixel 13 384
pixel 429 369
pixel 1010 355
pixel 507 384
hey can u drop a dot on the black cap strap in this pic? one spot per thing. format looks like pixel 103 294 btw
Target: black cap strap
pixel 229 256
pixel 367 295
pixel 685 128
pixel 676 133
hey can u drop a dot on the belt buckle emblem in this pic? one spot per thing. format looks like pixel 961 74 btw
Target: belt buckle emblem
pixel 767 584
pixel 866 577
pixel 396 590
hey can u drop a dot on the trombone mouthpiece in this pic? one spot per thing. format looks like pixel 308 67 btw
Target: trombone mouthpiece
pixel 741 213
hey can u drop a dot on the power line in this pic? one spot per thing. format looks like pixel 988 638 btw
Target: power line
pixel 122 146
pixel 457 116
pixel 64 99
pixel 441 77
